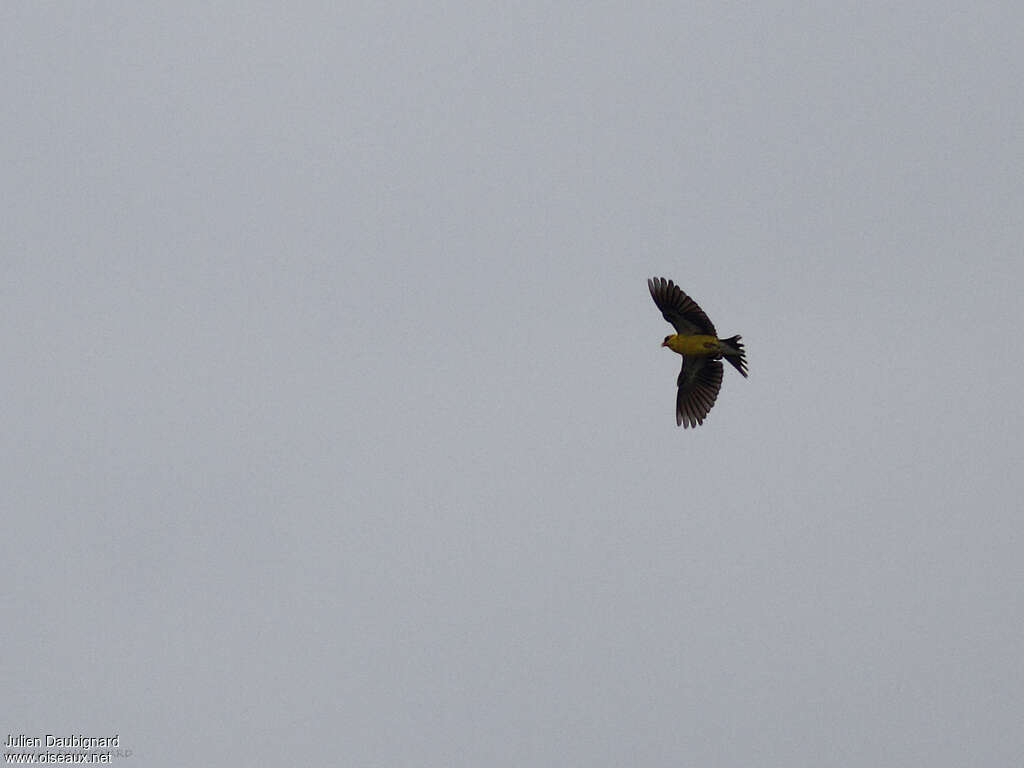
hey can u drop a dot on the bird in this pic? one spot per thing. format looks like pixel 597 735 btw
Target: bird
pixel 697 341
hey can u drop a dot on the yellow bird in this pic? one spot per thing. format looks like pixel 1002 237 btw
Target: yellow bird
pixel 696 340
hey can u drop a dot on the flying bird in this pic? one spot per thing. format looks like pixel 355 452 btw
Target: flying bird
pixel 696 340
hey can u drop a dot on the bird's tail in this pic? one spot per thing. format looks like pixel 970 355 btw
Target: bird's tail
pixel 733 351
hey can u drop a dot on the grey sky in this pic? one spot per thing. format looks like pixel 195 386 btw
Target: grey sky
pixel 336 428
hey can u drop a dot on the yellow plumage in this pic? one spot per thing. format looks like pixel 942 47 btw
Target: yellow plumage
pixel 698 344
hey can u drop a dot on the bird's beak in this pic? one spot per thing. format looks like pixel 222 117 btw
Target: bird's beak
pixel 664 344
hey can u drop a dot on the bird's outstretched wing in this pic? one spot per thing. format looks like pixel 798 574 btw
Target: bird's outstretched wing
pixel 679 309
pixel 699 382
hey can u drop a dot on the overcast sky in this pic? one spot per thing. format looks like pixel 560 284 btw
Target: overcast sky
pixel 335 429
